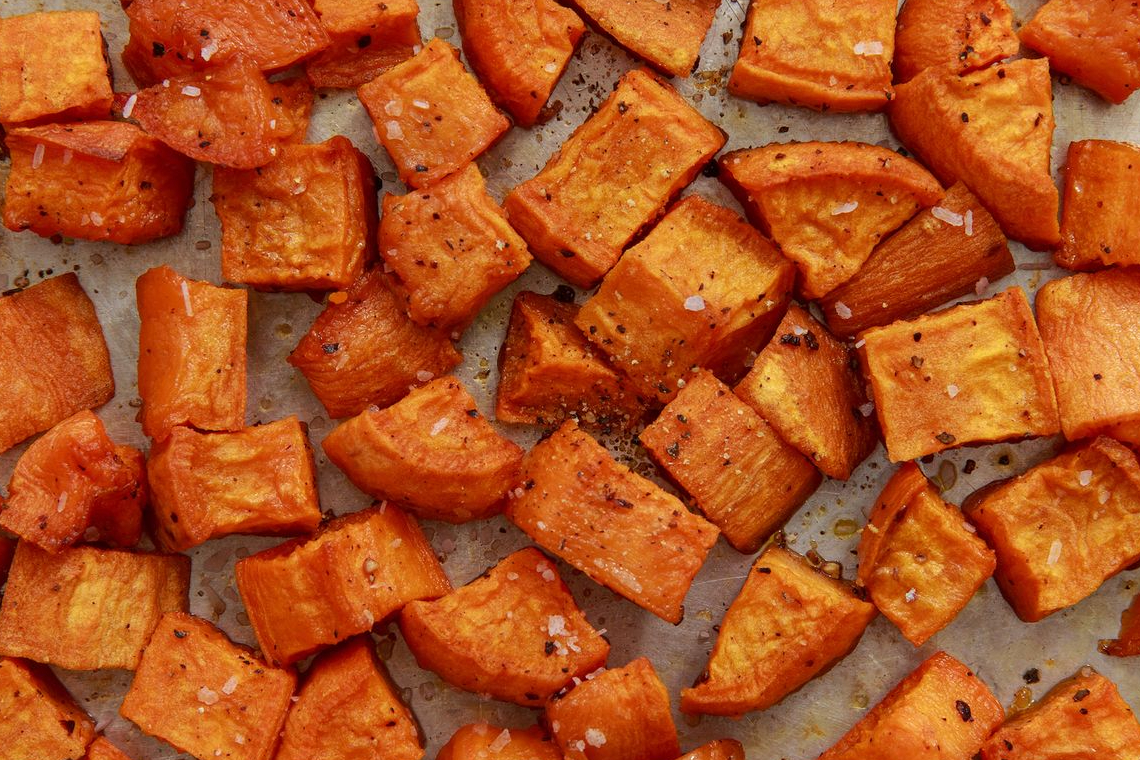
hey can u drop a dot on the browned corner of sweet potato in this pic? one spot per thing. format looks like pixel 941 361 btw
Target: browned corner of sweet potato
pixel 1099 227
pixel 365 41
pixel 667 35
pixel 961 35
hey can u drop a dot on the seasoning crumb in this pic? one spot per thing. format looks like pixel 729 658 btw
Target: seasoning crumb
pixel 694 303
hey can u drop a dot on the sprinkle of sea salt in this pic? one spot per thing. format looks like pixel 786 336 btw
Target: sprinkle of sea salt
pixel 969 219
pixel 1084 477
pixel 550 68
pixel 61 502
pixel 595 738
pixel 439 425
pixel 845 208
pixel 186 299
pixel 38 156
pixel 96 217
pixel 1102 497
pixel 1054 552
pixel 694 303
pixel 396 543
pixel 868 47
pixel 512 576
pixel 860 343
pixel 421 104
pixel 207 696
pixel 209 49
pixel 394 131
pixel 130 105
pixel 948 216
pixel 580 745
pixel 230 685
pixel 67 154
pixel 910 595
pixel 423 375
pixel 191 91
pixel 951 390
pixel 797 330
pixel 556 625
pixel 842 311
pixel 867 409
pixel 166 83
pixel 239 738
pixel 394 108
pixel 500 742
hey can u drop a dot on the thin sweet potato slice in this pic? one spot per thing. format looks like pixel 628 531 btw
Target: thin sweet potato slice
pixel 480 741
pixel 1100 222
pixel 1127 642
pixel 961 35
pixel 365 40
pixel 41 718
pixel 668 35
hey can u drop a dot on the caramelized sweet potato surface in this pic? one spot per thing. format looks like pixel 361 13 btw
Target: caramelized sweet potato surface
pixel 668 35
pixel 41 718
pixel 1100 222
pixel 961 35
pixel 365 40
pixel 480 741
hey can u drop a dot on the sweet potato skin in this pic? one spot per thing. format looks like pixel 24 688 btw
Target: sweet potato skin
pixel 667 35
pixel 365 41
pixel 41 718
pixel 480 741
pixel 1099 226
pixel 1127 642
pixel 960 34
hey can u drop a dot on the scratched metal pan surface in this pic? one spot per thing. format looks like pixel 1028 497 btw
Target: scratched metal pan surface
pixel 986 635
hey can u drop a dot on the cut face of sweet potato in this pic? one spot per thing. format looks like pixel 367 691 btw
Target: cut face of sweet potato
pixel 480 741
pixel 41 718
pixel 1100 223
pixel 961 35
pixel 1127 642
pixel 365 40
pixel 721 749
pixel 668 35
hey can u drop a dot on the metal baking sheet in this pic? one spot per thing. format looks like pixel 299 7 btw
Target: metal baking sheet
pixel 986 635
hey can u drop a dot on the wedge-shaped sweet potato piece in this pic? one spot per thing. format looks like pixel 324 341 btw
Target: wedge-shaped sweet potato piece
pixel 68 370
pixel 703 289
pixel 788 624
pixel 363 350
pixel 1062 528
pixel 991 129
pixel 431 451
pixel 450 249
pixel 41 720
pixel 191 353
pixel 307 594
pixel 668 35
pixel 75 479
pixel 817 53
pixel 974 373
pixel 720 749
pixel 518 49
pixel 619 714
pixel 919 560
pixel 480 741
pixel 742 475
pixel 807 386
pixel 365 39
pixel 514 633
pixel 1100 222
pixel 944 252
pixel 961 35
pixel 1127 642
pixel 612 177
pixel 101 749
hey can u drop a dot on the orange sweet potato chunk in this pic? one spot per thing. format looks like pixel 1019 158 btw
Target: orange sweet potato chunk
pixel 365 40
pixel 1127 642
pixel 703 289
pixel 191 353
pixel 41 720
pixel 71 370
pixel 612 177
pixel 746 480
pixel 480 741
pixel 993 130
pixel 621 530
pixel 101 749
pixel 974 373
pixel 789 624
pixel 619 714
pixel 1100 223
pixel 308 594
pixel 720 749
pixel 431 451
pixel 961 35
pixel 668 35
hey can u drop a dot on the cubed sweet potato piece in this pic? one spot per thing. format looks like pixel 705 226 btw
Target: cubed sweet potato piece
pixel 88 608
pixel 788 624
pixel 703 289
pixel 817 53
pixel 101 749
pixel 450 249
pixel 993 130
pixel 919 559
pixel 365 39
pixel 349 708
pixel 944 252
pixel 1100 222
pixel 41 720
pixel 612 177
pixel 480 741
pixel 191 353
pixel 364 351
pixel 618 528
pixel 292 107
pixel 619 714
pixel 431 451
pixel 961 35
pixel 518 49
pixel 515 633
pixel 307 594
pixel 1062 528
pixel 807 386
pixel 974 373
pixel 668 35
pixel 7 549
pixel 720 749
pixel 1127 642
pixel 69 369
pixel 744 477
pixel 74 482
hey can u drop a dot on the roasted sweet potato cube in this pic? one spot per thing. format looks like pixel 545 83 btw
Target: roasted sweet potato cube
pixel 101 749
pixel 431 451
pixel 703 289
pixel 788 624
pixel 450 249
pixel 612 177
pixel 363 350
pixel 41 720
pixel 349 708
pixel 71 368
pixel 619 714
pixel 514 633
pixel 974 373
pixel 993 130
pixel 618 528
pixel 720 749
pixel 668 35
pixel 1127 642
pixel 744 477
pixel 365 40
pixel 357 571
pixel 817 53
pixel 1100 222
pixel 191 353
pixel 919 559
pixel 944 252
pixel 1062 528
pixel 480 741
pixel 961 35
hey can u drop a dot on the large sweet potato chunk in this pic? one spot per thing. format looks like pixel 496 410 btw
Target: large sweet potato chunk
pixel 961 35
pixel 365 39
pixel 480 741
pixel 41 720
pixel 1100 223
pixel 1127 642
pixel 668 35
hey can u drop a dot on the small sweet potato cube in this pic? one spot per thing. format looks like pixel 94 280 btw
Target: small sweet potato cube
pixel 1127 642
pixel 744 477
pixel 1100 222
pixel 364 351
pixel 619 714
pixel 450 249
pixel 919 560
pixel 41 720
pixel 365 40
pixel 431 114
pixel 941 711
pixel 1062 528
pixel 720 749
pixel 961 35
pixel 514 633
pixel 88 608
pixel 307 594
pixel 480 741
pixel 431 451
pixel 703 289
pixel 71 370
pixel 944 252
pixel 618 528
pixel 806 385
pixel 668 35
pixel 788 624
pixel 974 373
pixel 191 353
pixel 612 177
pixel 101 749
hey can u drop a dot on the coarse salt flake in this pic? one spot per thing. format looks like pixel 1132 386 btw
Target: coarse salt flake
pixel 797 330
pixel 595 738
pixel 969 222
pixel 239 738
pixel 1054 552
pixel 96 217
pixel 868 47
pixel 951 390
pixel 423 375
pixel 129 107
pixel 439 425
pixel 230 685
pixel 393 131
pixel 186 299
pixel 860 343
pixel 512 576
pixel 694 303
pixel 1084 477
pixel 208 696
pixel 61 502
pixel 67 154
pixel 630 202
pixel 981 285
pixel 1102 497
pixel 911 594
pixel 191 91
pixel 867 409
pixel 842 310
pixel 500 244
pixel 393 108
pixel 38 156
pixel 556 625
pixel 421 104
pixel 500 742
pixel 550 68
pixel 209 49
pixel 580 745
pixel 948 216
pixel 845 208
